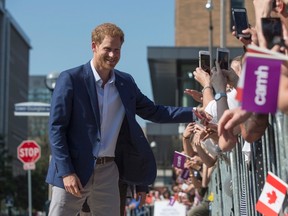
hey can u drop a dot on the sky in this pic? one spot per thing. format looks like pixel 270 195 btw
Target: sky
pixel 59 32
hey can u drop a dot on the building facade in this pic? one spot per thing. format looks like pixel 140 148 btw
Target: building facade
pixel 14 73
pixel 38 92
pixel 192 22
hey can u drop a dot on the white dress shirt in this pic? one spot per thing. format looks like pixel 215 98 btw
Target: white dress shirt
pixel 111 112
pixel 211 107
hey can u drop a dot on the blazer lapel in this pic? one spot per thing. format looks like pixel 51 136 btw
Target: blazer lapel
pixel 92 91
pixel 121 85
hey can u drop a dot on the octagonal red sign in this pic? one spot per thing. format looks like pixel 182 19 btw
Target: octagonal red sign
pixel 28 151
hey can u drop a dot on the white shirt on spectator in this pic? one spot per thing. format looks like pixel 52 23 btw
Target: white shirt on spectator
pixel 211 107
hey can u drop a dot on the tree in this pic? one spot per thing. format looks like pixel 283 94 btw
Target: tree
pixel 39 186
pixel 6 176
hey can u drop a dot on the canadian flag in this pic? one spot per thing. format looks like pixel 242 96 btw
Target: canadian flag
pixel 272 196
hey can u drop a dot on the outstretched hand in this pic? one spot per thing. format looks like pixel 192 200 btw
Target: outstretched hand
pixel 196 95
pixel 231 118
pixel 229 127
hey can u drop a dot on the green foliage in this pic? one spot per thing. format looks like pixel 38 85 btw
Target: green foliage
pixel 6 177
pixel 39 190
pixel 17 186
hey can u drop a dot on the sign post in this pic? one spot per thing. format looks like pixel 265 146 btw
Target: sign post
pixel 29 152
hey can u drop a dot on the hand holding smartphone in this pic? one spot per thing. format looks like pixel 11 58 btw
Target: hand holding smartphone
pixel 223 56
pixel 272 31
pixel 203 116
pixel 240 22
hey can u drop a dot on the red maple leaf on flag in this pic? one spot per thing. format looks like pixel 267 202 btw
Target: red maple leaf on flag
pixel 272 197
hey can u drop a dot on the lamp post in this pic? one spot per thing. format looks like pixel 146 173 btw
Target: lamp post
pixel 223 24
pixel 50 80
pixel 209 8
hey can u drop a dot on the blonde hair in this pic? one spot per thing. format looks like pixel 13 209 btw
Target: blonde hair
pixel 106 29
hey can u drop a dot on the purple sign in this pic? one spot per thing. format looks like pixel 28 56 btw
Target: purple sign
pixel 260 93
pixel 179 160
pixel 172 201
pixel 185 173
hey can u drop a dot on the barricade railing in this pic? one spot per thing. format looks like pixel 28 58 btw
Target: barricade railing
pixel 237 187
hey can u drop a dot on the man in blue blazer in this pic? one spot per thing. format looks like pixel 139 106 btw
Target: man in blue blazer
pixel 95 139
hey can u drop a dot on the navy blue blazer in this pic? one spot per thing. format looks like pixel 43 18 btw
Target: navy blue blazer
pixel 74 127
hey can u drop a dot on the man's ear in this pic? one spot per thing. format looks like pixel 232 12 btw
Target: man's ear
pixel 93 45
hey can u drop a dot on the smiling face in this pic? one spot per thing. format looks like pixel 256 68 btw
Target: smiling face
pixel 106 54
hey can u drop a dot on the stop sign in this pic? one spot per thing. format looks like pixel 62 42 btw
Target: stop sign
pixel 28 151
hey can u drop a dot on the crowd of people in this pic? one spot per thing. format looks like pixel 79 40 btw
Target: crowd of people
pixel 222 121
pixel 99 151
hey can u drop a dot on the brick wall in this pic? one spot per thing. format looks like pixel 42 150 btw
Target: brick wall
pixel 192 23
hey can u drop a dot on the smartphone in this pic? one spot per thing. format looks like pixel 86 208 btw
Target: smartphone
pixel 274 4
pixel 204 60
pixel 222 57
pixel 197 113
pixel 204 116
pixel 272 31
pixel 240 22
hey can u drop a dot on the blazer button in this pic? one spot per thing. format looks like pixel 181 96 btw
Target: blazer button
pixel 98 140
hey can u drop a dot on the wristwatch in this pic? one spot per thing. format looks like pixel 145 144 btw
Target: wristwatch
pixel 218 96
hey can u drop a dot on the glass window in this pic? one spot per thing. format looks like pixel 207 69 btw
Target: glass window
pixel 186 81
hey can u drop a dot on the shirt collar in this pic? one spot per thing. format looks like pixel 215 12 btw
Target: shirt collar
pixel 98 78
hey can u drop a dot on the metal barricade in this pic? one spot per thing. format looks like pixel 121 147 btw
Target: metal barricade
pixel 237 187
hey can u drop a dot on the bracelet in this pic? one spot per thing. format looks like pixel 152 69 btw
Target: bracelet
pixel 206 87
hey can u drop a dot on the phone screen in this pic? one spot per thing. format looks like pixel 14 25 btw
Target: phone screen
pixel 205 62
pixel 240 22
pixel 223 59
pixel 272 31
